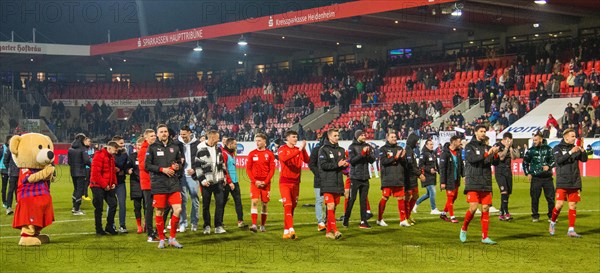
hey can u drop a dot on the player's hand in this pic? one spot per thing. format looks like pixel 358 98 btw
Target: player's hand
pixel 545 168
pixel 107 188
pixel 232 186
pixel 168 172
pixel 575 149
pixel 432 171
pixel 303 145
pixel 529 177
pixel 117 169
pixel 130 171
pixel 342 163
pixel 422 177
pixel 398 154
pixel 205 183
pixel 403 153
pixel 366 149
pixel 190 171
pixel 443 186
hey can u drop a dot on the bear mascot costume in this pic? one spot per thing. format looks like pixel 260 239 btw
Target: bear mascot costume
pixel 33 153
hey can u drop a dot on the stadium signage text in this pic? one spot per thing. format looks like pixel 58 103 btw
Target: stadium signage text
pixel 48 49
pixel 305 19
pixel 20 48
pixel 171 38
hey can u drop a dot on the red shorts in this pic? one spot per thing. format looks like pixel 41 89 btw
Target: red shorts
pixel 37 211
pixel 347 184
pixel 481 197
pixel 160 200
pixel 451 193
pixel 331 198
pixel 571 195
pixel 413 191
pixel 393 191
pixel 289 193
pixel 263 194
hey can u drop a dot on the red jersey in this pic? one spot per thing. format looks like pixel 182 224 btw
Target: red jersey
pixel 291 163
pixel 260 166
pixel 27 189
pixel 144 175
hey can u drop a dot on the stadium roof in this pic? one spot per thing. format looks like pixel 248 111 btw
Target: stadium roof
pixel 133 19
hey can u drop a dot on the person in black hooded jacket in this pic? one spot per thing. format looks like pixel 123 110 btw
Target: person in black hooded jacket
pixel 313 165
pixel 429 167
pixel 451 170
pixel 392 159
pixel 332 162
pixel 78 159
pixel 135 189
pixel 360 155
pixel 568 179
pixel 413 172
pixel 478 181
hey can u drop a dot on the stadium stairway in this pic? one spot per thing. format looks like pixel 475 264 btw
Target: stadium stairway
pixel 463 107
pixel 477 110
pixel 319 118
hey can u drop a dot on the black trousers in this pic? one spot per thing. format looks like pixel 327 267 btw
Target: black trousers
pixel 356 187
pixel 207 193
pixel 101 196
pixel 537 185
pixel 12 190
pixel 87 182
pixel 4 187
pixel 78 190
pixel 137 207
pixel 148 211
pixel 237 199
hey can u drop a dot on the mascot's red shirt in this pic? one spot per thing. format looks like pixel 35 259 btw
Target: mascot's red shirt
pixel 26 189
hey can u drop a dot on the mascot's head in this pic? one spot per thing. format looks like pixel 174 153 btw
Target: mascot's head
pixel 33 150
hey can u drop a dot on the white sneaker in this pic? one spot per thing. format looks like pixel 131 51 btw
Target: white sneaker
pixel 414 210
pixel 405 223
pixel 478 211
pixel 181 228
pixel 381 223
pixel 206 230
pixel 169 226
pixel 262 229
pixel 435 212
pixel 194 228
pixel 78 212
pixel 494 210
pixel 220 230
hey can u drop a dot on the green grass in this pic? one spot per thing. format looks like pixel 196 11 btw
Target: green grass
pixel 430 246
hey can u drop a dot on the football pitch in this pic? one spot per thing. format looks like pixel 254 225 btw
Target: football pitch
pixel 432 245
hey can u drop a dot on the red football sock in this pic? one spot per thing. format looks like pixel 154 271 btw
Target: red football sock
pixel 449 207
pixel 160 227
pixel 331 225
pixel 555 213
pixel 139 222
pixel 263 218
pixel 368 204
pixel 485 223
pixel 287 217
pixel 572 216
pixel 382 203
pixel 174 223
pixel 345 204
pixel 468 218
pixel 401 210
pixel 254 218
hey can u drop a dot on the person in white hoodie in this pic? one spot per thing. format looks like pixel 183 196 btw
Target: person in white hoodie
pixel 189 185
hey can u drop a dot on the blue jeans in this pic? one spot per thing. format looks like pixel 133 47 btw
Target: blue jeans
pixel 190 186
pixel 121 191
pixel 430 194
pixel 319 205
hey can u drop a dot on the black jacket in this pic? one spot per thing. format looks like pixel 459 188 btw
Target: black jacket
pixel 359 161
pixel 159 156
pixel 478 168
pixel 330 174
pixel 392 168
pixel 122 162
pixel 13 170
pixel 135 190
pixel 412 168
pixel 428 161
pixel 448 168
pixel 313 165
pixel 568 175
pixel 78 159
